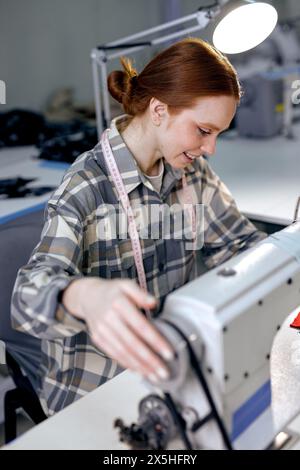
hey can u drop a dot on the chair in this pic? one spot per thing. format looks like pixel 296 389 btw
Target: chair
pixel 22 352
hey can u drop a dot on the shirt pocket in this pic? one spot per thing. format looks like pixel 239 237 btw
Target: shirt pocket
pixel 181 262
pixel 120 259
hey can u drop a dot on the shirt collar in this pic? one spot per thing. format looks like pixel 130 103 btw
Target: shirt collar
pixel 129 170
pixel 126 163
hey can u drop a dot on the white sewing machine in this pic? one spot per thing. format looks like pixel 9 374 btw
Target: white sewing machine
pixel 222 326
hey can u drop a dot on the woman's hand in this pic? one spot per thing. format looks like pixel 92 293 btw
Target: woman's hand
pixel 111 310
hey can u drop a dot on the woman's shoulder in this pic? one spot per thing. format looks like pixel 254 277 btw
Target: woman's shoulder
pixel 81 184
pixel 88 164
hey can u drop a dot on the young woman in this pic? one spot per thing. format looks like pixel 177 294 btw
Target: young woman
pixel 81 292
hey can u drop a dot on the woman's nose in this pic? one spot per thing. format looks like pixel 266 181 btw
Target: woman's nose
pixel 209 147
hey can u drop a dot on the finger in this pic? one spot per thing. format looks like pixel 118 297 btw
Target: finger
pixel 134 292
pixel 149 362
pixel 107 342
pixel 143 328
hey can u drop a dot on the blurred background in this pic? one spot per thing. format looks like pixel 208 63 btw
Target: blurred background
pixel 45 46
pixel 45 63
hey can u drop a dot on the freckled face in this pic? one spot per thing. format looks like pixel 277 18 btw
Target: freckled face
pixel 194 131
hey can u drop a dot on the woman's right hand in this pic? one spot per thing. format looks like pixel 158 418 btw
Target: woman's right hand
pixel 111 310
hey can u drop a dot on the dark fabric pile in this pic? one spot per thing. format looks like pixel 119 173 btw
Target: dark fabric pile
pixel 60 142
pixel 17 187
pixel 20 127
pixel 67 146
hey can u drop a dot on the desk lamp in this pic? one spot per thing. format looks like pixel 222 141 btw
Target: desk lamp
pixel 239 25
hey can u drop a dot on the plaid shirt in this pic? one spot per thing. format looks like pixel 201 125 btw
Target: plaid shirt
pixel 70 248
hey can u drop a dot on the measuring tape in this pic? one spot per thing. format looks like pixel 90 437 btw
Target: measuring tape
pixel 132 228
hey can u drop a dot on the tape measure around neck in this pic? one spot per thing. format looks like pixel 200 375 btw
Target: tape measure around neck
pixel 132 228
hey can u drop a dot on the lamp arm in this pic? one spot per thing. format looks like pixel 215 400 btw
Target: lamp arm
pixel 169 24
pixel 159 40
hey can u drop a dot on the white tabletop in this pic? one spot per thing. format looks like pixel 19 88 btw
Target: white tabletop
pixel 263 175
pixel 22 162
pixel 88 423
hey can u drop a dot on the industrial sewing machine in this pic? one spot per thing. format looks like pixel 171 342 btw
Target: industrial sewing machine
pixel 222 326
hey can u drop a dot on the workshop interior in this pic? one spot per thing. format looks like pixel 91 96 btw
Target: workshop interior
pixel 234 380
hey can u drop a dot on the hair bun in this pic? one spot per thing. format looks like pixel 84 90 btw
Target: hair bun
pixel 121 82
pixel 117 83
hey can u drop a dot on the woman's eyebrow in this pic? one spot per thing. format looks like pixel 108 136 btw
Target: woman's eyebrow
pixel 212 126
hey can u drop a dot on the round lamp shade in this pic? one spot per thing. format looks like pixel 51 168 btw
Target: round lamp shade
pixel 244 26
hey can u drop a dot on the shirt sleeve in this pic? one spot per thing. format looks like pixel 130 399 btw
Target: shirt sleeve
pixel 227 232
pixel 53 265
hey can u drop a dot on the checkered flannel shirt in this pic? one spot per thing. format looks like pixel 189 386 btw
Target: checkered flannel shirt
pixel 70 248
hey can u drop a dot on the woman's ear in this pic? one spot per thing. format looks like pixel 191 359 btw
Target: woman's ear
pixel 158 111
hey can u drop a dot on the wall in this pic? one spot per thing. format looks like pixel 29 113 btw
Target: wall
pixel 46 44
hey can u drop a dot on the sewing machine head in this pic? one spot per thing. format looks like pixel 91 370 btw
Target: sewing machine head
pixel 222 326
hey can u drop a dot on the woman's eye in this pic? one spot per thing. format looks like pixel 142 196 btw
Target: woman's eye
pixel 203 132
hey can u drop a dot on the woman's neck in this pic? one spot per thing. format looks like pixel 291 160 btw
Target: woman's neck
pixel 140 140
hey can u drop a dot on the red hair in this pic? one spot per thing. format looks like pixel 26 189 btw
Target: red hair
pixel 178 76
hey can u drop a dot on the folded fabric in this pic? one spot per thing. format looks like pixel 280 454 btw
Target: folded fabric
pixel 20 127
pixel 17 188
